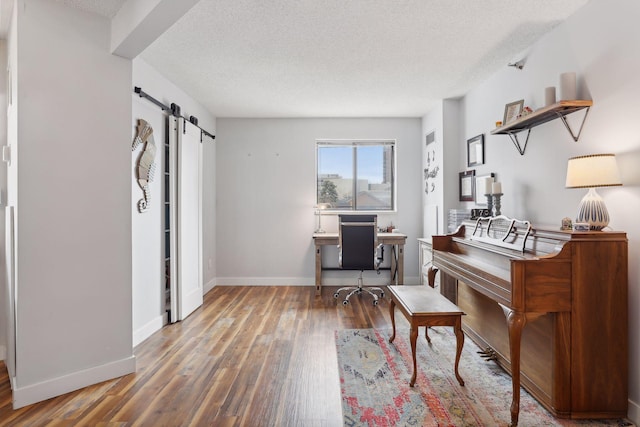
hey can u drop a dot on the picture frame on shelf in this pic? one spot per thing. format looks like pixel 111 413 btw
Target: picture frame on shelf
pixel 481 182
pixel 512 110
pixel 475 150
pixel 466 186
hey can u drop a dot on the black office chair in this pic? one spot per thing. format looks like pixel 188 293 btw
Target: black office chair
pixel 358 250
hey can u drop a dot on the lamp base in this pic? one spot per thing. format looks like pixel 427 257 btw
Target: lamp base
pixel 319 229
pixel 593 211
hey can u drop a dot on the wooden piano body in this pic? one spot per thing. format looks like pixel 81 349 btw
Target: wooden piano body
pixel 555 313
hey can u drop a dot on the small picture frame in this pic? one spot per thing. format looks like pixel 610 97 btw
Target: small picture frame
pixel 483 184
pixel 475 151
pixel 512 111
pixel 466 186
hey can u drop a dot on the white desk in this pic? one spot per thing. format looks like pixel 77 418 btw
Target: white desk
pixel 396 240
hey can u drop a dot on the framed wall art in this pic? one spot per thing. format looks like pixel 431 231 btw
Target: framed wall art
pixel 483 186
pixel 475 151
pixel 466 186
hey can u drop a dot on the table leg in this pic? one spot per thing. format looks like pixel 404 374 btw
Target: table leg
pixel 400 266
pixel 392 314
pixel 457 328
pixel 414 340
pixel 394 266
pixel 318 269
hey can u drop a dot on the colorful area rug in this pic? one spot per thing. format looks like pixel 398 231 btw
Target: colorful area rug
pixel 374 379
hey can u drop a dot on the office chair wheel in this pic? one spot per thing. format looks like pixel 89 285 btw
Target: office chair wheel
pixel 381 294
pixel 375 302
pixel 336 295
pixel 345 302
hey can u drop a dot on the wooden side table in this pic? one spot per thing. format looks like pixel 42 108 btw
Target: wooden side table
pixel 423 306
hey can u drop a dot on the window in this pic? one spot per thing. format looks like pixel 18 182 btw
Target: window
pixel 356 175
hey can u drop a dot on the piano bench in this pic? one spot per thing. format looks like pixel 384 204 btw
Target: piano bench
pixel 424 306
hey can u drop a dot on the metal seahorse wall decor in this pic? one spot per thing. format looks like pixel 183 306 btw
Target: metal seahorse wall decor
pixel 146 167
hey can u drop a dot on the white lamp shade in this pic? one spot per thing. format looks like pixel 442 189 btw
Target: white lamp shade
pixel 596 170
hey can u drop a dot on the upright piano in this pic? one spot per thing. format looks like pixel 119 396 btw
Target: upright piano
pixel 550 306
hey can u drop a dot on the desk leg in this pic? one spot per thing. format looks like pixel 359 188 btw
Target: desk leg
pixel 394 266
pixel 318 269
pixel 400 265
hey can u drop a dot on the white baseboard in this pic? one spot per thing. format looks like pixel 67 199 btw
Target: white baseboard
pixel 264 281
pixel 3 352
pixel 310 281
pixel 633 413
pixel 208 286
pixel 23 396
pixel 147 330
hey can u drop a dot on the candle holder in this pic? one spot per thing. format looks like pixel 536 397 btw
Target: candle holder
pixel 496 202
pixel 489 197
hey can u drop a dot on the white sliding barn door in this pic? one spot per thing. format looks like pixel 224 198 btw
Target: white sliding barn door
pixel 185 189
pixel 10 256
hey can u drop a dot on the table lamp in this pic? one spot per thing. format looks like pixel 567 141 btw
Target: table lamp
pixel 595 170
pixel 319 208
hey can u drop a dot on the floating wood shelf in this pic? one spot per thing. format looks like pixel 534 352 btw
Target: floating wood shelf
pixel 559 110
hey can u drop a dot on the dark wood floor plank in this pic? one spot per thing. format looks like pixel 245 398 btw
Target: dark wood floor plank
pixel 258 356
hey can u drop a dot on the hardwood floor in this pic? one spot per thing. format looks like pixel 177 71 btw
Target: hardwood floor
pixel 250 356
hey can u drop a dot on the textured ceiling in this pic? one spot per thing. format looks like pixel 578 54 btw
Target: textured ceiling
pixel 338 58
pixel 106 8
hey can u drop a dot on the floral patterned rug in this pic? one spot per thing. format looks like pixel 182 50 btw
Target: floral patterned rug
pixel 374 379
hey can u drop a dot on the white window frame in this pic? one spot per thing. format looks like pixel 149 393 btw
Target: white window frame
pixel 362 142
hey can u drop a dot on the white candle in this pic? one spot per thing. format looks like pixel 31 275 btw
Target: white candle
pixel 550 95
pixel 496 188
pixel 568 86
pixel 487 186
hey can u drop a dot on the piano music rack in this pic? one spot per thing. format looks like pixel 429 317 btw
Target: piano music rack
pixel 502 231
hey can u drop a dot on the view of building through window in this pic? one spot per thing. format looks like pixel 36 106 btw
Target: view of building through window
pixel 356 175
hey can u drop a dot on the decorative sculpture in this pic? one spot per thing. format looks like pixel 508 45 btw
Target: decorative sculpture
pixel 432 169
pixel 146 167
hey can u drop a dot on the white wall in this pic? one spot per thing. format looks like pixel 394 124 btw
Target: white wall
pixel 73 154
pixel 147 227
pixel 600 42
pixel 452 116
pixel 433 163
pixel 266 192
pixel 444 120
